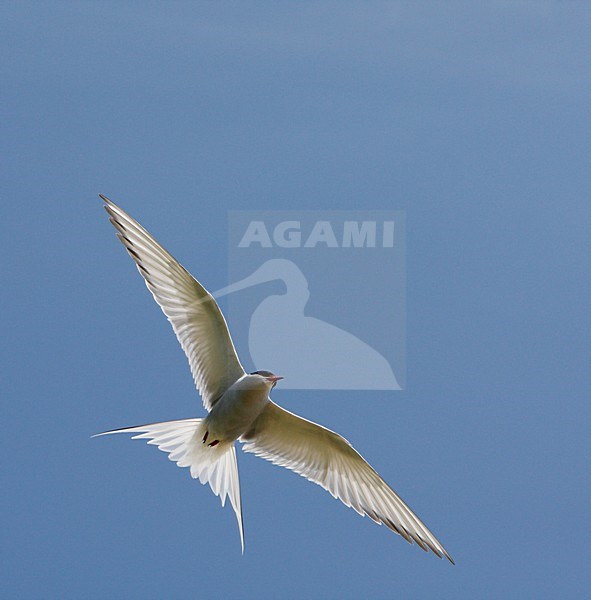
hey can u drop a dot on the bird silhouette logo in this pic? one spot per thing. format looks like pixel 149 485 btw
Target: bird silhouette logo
pixel 316 354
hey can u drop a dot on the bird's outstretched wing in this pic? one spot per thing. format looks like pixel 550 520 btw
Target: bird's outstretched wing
pixel 329 460
pixel 194 315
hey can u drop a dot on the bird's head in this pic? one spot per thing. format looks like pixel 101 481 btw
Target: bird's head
pixel 267 378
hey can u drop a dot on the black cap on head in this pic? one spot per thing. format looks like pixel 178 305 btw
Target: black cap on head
pixel 263 373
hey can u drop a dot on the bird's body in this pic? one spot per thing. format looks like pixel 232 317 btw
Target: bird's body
pixel 239 406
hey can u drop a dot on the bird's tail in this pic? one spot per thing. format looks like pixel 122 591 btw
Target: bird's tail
pixel 186 444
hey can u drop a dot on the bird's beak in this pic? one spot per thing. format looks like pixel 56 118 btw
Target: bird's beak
pixel 274 378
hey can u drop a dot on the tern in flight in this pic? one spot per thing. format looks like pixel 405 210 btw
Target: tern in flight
pixel 239 407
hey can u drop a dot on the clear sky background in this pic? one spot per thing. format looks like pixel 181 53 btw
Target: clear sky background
pixel 471 117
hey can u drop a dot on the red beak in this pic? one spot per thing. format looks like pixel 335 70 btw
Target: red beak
pixel 274 378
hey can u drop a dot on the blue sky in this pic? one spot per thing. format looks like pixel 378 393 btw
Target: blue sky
pixel 472 119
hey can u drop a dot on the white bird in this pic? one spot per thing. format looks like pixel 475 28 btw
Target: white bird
pixel 240 408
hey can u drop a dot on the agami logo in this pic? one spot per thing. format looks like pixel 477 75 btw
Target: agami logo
pixel 321 297
pixel 288 234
